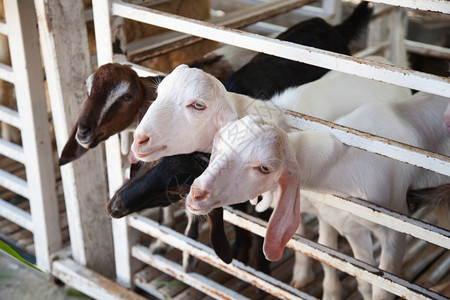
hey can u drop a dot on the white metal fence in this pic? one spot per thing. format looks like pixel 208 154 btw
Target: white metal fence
pixel 91 243
pixel 35 153
pixel 103 10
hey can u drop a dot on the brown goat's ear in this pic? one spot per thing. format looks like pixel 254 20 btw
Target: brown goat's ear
pixel 218 238
pixel 72 150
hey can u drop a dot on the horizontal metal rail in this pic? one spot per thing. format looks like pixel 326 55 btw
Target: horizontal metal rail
pixel 12 151
pixel 6 73
pixel 10 116
pixel 326 59
pixel 16 215
pixel 427 49
pixel 235 268
pixel 385 217
pixel 375 144
pixel 170 41
pixel 347 264
pixel 14 183
pixel 201 283
pixel 89 282
pixel 3 28
pixel 441 6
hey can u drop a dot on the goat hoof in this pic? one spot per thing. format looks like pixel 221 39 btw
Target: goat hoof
pixel 302 279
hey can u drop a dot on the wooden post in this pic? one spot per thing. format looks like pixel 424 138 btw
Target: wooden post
pixel 30 94
pixel 67 63
pixel 109 31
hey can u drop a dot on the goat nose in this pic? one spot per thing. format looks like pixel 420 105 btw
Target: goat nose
pixel 141 139
pixel 84 129
pixel 199 194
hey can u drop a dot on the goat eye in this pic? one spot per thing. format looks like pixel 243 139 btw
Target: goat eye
pixel 127 97
pixel 198 105
pixel 264 169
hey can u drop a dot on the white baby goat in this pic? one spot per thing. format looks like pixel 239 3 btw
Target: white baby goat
pixel 264 157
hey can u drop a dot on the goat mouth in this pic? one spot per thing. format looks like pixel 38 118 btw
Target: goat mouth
pixel 143 155
pixel 202 207
pixel 90 141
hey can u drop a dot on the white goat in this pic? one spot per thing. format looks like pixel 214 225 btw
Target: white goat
pixel 264 157
pixel 447 118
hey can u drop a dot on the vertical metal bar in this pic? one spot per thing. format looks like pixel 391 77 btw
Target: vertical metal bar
pixel 29 87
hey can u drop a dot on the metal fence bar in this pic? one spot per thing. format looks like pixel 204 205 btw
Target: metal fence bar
pixel 375 144
pixel 6 73
pixel 347 264
pixel 16 215
pixel 12 151
pixel 235 268
pixel 90 282
pixel 427 5
pixel 385 217
pixel 14 183
pixel 10 116
pixel 3 28
pixel 427 49
pixel 201 283
pixel 326 59
pixel 237 19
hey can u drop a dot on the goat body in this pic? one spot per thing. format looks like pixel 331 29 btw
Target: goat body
pixel 265 157
pixel 447 118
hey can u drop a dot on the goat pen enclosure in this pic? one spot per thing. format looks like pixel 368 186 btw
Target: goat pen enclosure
pixel 96 256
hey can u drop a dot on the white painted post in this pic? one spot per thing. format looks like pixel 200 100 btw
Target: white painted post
pixel 29 87
pixel 108 30
pixel 67 63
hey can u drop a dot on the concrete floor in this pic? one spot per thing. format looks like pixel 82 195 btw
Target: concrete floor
pixel 20 282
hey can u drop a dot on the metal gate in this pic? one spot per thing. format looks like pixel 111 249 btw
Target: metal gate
pixel 104 11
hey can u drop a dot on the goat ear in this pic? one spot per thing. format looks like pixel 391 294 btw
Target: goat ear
pixel 218 238
pixel 72 150
pixel 286 216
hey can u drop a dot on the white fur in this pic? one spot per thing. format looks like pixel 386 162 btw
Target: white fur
pixel 447 118
pixel 328 166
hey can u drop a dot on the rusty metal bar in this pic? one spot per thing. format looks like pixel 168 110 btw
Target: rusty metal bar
pixel 385 217
pixel 349 265
pixel 235 268
pixel 326 59
pixel 375 144
pixel 173 40
pixel 201 283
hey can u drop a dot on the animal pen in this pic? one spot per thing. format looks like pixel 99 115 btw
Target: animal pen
pixel 42 205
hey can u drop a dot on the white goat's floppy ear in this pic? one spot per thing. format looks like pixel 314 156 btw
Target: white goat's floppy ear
pixel 286 216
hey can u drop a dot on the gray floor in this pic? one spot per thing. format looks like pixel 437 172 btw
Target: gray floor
pixel 19 282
